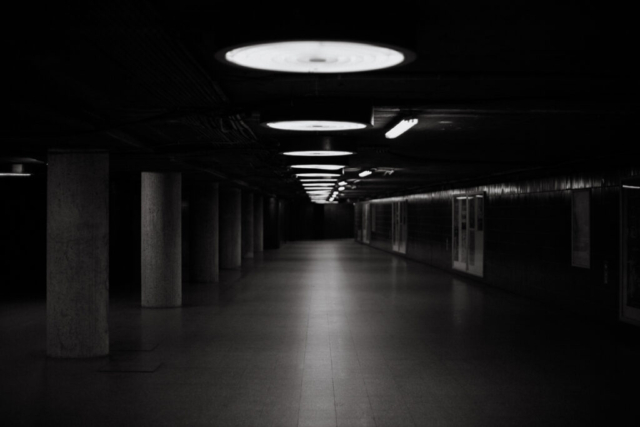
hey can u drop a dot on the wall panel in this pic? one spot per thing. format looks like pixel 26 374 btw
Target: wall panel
pixel 528 236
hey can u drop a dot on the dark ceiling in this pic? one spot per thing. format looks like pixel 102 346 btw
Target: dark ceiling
pixel 496 89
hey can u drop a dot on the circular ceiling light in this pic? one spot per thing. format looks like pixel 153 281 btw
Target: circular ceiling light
pixel 322 167
pixel 318 153
pixel 318 175
pixel 315 56
pixel 315 125
pixel 317 115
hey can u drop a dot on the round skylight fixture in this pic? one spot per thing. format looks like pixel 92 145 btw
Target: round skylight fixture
pixel 315 125
pixel 315 56
pixel 317 115
pixel 321 167
pixel 318 153
pixel 316 175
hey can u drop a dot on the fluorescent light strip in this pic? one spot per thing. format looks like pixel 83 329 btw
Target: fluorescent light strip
pixel 364 173
pixel 401 128
pixel 631 187
pixel 320 180
pixel 14 174
pixel 318 184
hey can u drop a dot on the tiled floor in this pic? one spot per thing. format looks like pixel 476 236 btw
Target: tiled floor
pixel 324 334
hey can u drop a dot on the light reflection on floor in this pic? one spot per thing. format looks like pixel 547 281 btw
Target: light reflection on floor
pixel 324 333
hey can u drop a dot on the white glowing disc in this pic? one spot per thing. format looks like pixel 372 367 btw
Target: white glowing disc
pixel 317 175
pixel 314 56
pixel 317 153
pixel 321 167
pixel 315 125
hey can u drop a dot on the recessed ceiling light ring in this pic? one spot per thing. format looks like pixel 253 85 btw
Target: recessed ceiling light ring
pixel 324 56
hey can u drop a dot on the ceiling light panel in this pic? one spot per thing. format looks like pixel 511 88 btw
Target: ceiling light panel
pixel 321 167
pixel 316 56
pixel 315 125
pixel 318 153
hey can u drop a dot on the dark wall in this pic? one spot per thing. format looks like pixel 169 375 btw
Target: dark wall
pixel 124 233
pixel 338 221
pixel 23 236
pixel 313 221
pixel 527 237
pixel 306 220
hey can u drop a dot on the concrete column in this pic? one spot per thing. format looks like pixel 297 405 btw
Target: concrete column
pixel 204 233
pixel 230 228
pixel 161 239
pixel 271 224
pixel 77 254
pixel 247 224
pixel 258 226
pixel 282 221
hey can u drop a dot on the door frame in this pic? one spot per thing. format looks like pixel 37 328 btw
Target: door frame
pixel 454 200
pixel 399 225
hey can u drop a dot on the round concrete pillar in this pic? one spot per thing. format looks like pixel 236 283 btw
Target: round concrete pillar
pixel 230 228
pixel 258 227
pixel 161 239
pixel 247 224
pixel 204 233
pixel 77 254
pixel 271 224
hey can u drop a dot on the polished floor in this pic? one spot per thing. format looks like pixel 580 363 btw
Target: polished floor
pixel 328 333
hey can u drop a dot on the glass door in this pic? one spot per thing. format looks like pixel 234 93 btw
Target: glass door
pixel 468 234
pixel 630 239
